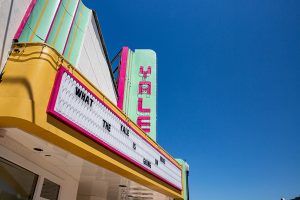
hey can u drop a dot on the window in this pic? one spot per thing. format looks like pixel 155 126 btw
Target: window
pixel 16 183
pixel 50 190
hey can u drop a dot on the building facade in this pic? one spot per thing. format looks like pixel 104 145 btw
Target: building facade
pixel 67 129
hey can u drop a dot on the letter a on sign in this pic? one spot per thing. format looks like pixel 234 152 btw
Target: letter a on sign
pixel 145 87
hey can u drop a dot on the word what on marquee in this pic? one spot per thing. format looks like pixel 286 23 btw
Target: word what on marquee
pixel 84 96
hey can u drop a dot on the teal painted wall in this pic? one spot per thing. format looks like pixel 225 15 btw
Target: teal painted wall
pixel 39 21
pixel 184 174
pixel 60 23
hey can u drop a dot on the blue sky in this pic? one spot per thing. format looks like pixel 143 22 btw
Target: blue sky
pixel 228 88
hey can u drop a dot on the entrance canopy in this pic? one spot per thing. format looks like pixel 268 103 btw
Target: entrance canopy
pixel 81 178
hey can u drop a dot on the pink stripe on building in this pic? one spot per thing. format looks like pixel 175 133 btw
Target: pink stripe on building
pixel 122 77
pixel 53 21
pixel 24 20
pixel 71 26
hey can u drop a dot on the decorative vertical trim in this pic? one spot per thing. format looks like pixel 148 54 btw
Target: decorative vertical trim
pixel 122 77
pixel 53 21
pixel 24 20
pixel 75 14
pixel 75 34
pixel 60 24
pixel 38 21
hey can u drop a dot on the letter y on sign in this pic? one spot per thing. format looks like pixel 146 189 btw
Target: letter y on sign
pixel 145 73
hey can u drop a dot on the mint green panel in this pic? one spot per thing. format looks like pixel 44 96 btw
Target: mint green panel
pixel 76 37
pixel 136 59
pixel 39 22
pixel 62 24
pixel 184 177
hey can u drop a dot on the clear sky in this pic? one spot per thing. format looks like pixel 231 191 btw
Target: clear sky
pixel 228 88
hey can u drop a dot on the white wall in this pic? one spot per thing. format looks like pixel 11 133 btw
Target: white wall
pixel 12 12
pixel 92 62
pixel 61 173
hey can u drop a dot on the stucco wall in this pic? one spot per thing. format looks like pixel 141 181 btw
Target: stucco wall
pixel 12 12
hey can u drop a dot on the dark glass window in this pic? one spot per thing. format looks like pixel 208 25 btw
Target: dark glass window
pixel 50 190
pixel 16 183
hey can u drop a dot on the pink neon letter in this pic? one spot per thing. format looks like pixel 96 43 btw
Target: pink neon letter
pixel 141 123
pixel 140 107
pixel 145 87
pixel 145 73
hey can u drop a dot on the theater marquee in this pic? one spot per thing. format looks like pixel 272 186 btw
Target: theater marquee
pixel 75 105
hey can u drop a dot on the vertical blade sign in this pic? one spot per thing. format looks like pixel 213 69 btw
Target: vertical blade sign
pixel 137 88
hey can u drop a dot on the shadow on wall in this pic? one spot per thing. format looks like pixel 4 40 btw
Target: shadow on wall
pixel 24 83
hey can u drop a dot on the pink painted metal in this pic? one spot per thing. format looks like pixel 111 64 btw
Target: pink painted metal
pixel 51 111
pixel 145 73
pixel 145 87
pixel 55 89
pixel 25 19
pixel 122 77
pixel 140 107
pixel 53 21
pixel 143 121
